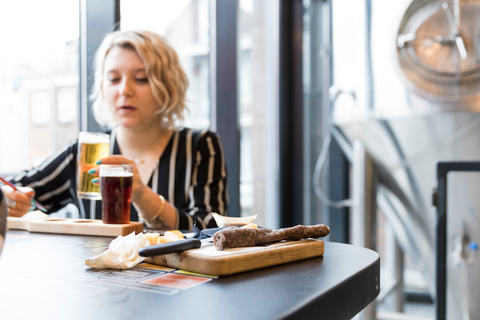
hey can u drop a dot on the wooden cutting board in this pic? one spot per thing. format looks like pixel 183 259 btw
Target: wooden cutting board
pixel 208 260
pixel 74 226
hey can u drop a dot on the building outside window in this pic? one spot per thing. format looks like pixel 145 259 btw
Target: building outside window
pixel 66 102
pixel 41 59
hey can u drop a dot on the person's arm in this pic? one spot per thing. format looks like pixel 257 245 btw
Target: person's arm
pixel 152 207
pixel 53 183
pixel 156 211
pixel 18 203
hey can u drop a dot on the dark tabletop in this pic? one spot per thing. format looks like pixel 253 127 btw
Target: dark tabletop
pixel 43 276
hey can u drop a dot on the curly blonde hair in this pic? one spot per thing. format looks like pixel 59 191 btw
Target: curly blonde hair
pixel 166 77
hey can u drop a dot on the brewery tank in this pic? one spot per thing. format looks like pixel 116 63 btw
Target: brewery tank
pixel 413 70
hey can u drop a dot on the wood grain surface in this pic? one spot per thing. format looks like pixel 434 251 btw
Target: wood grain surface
pixel 208 260
pixel 74 226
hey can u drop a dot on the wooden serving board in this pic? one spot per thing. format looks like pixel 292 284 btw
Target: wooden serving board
pixel 74 226
pixel 207 260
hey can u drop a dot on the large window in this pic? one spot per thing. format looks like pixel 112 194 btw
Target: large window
pixel 258 109
pixel 186 26
pixel 38 80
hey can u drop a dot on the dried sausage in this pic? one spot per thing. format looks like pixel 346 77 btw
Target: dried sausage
pixel 233 237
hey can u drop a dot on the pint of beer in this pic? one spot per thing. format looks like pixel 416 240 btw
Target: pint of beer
pixel 116 188
pixel 92 146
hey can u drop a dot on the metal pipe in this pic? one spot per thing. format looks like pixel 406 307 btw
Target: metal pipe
pixel 364 209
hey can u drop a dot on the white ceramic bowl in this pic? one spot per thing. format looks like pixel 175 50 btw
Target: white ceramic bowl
pixel 223 221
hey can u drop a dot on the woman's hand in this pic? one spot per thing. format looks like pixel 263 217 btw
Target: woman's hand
pixel 147 202
pixel 18 203
pixel 138 187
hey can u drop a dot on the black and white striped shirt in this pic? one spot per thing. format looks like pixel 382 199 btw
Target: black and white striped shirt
pixel 191 174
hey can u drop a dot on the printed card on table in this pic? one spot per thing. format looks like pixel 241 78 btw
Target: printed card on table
pixel 177 281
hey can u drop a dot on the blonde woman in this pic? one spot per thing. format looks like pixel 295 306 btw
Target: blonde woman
pixel 139 93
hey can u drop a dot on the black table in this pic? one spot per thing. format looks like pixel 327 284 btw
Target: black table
pixel 44 276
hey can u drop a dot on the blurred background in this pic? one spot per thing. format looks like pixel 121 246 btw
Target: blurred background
pixel 331 111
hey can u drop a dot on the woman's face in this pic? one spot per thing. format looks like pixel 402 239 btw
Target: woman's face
pixel 127 91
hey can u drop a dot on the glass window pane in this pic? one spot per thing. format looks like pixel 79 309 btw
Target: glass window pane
pixel 40 107
pixel 316 110
pixel 66 112
pixel 257 62
pixel 186 25
pixel 40 62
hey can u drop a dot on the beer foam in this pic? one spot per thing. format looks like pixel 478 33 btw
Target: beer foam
pixel 93 137
pixel 115 174
pixel 114 171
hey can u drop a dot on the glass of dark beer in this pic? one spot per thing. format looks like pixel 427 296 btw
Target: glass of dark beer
pixel 116 191
pixel 92 146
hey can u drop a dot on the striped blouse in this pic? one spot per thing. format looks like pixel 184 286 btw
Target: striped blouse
pixel 191 174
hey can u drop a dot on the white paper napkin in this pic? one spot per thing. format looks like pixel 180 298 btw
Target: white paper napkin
pixel 121 254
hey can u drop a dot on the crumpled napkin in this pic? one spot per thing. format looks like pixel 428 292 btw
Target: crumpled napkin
pixel 122 253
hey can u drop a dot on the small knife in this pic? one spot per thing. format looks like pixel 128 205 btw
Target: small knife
pixel 173 247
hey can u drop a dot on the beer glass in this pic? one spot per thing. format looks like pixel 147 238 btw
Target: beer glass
pixel 92 146
pixel 116 189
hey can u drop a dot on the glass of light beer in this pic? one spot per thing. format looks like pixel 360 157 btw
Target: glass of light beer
pixel 116 189
pixel 92 146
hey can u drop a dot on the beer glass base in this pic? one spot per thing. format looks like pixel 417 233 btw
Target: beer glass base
pixel 120 222
pixel 90 195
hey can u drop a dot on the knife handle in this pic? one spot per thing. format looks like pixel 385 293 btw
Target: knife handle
pixel 169 247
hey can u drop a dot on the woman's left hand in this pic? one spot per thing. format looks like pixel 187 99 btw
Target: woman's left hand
pixel 138 187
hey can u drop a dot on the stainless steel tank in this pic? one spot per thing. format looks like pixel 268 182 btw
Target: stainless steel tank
pixel 416 82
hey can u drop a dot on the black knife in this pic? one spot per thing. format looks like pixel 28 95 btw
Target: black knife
pixel 173 247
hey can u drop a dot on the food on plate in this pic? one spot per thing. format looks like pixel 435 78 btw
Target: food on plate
pixel 152 237
pixel 223 221
pixel 250 225
pixel 233 237
pixel 170 236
